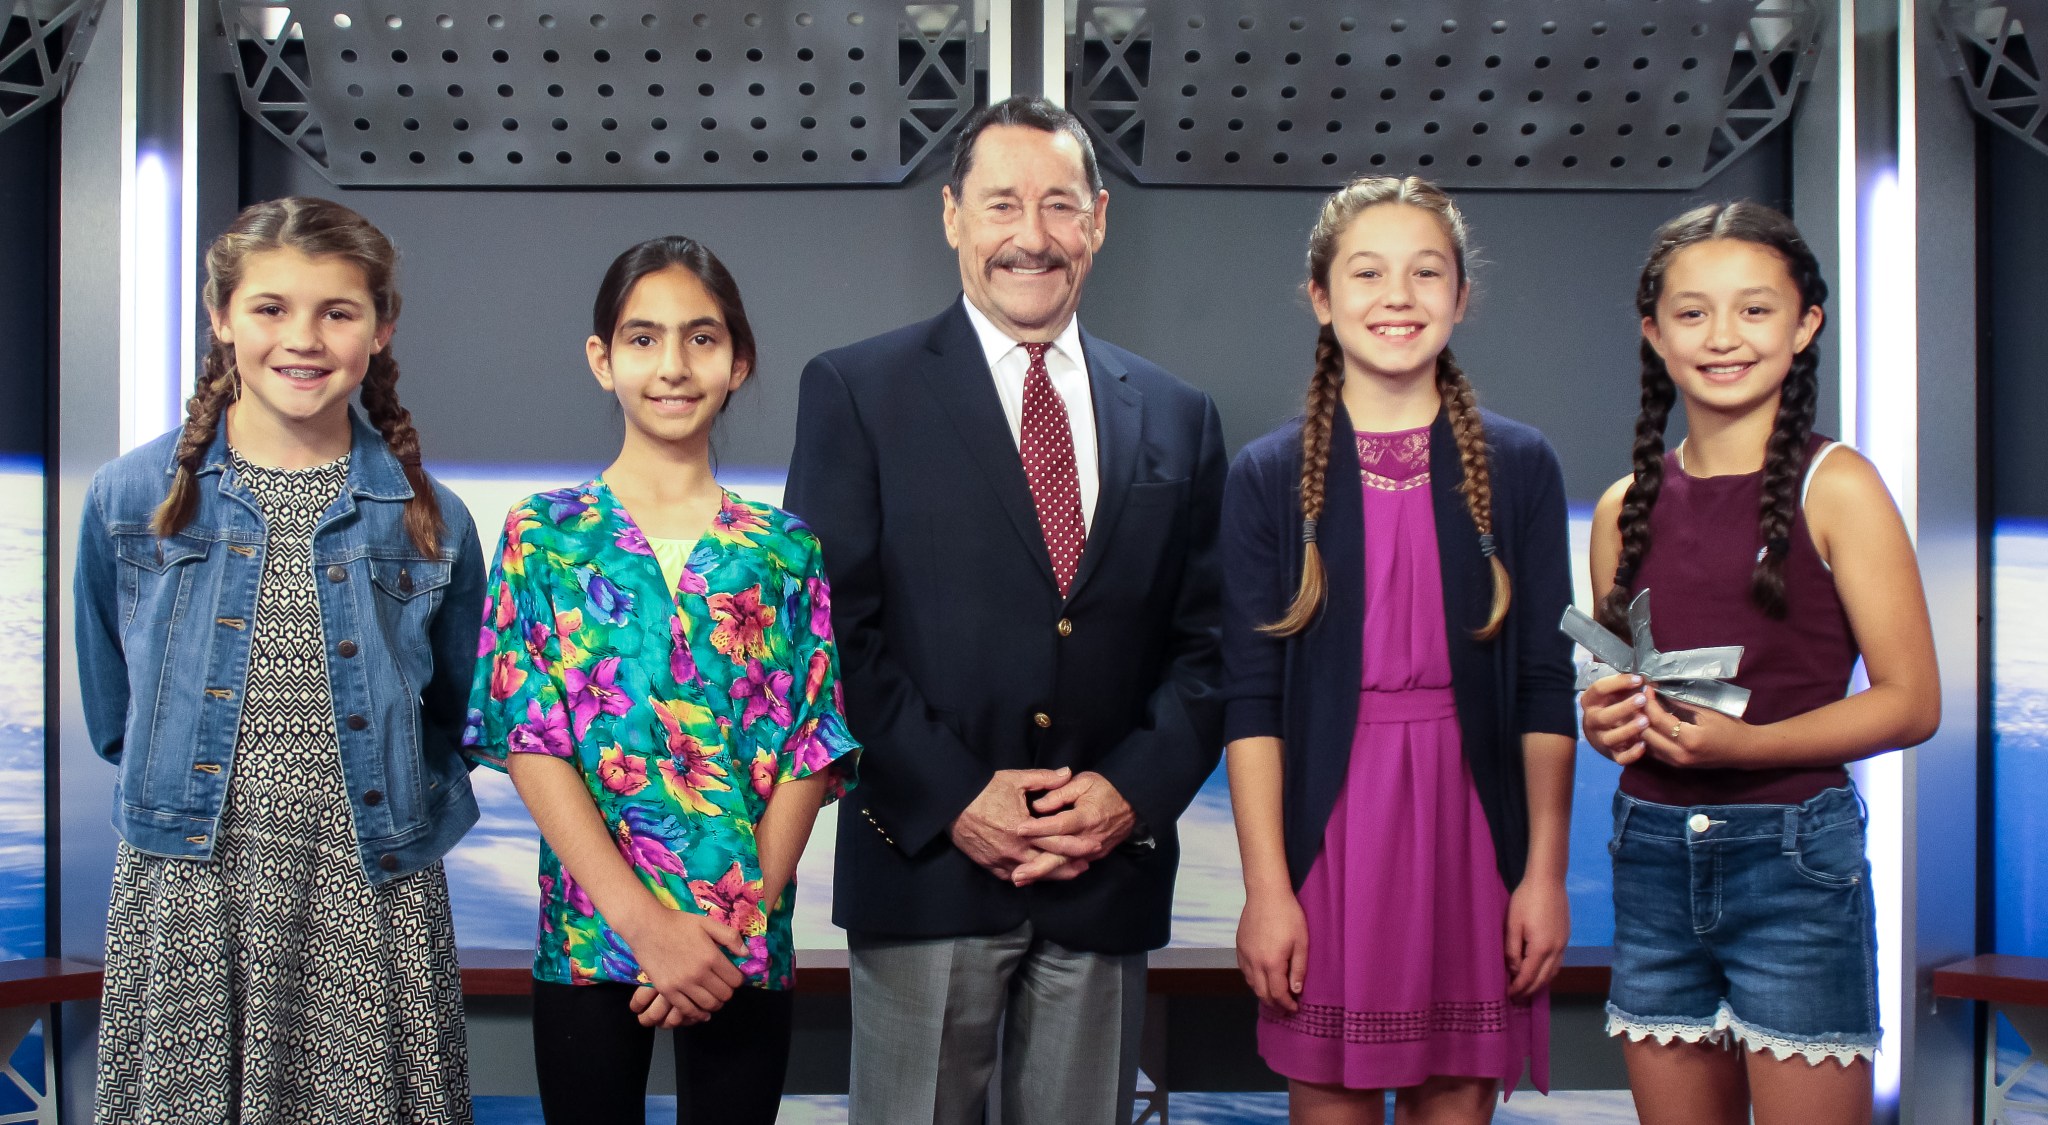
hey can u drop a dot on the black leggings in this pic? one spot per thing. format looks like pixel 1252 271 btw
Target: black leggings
pixel 591 1056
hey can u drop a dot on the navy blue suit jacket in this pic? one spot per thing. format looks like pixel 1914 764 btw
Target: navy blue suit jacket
pixel 1304 689
pixel 953 636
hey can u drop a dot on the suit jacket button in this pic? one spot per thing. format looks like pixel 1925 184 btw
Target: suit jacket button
pixel 1042 719
pixel 1066 627
pixel 337 574
pixel 388 862
pixel 373 798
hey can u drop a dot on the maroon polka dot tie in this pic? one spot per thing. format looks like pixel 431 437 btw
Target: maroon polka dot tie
pixel 1047 444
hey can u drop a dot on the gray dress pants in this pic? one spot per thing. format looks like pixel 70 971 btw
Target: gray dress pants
pixel 928 1015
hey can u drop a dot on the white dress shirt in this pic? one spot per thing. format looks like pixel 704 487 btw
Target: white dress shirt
pixel 1068 368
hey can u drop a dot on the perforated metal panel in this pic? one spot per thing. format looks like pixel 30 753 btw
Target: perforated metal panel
pixel 1471 93
pixel 1987 46
pixel 41 47
pixel 576 94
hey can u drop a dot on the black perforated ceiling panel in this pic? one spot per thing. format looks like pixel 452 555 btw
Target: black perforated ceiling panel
pixel 582 93
pixel 1472 93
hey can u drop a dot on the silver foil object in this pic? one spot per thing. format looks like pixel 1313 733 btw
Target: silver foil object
pixel 1692 675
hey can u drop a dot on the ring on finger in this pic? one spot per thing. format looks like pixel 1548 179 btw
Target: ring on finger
pixel 1675 729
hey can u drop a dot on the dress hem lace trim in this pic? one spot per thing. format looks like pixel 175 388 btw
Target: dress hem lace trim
pixel 1331 1021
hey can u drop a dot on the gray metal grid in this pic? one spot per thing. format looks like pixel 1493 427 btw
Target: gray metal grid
pixel 593 94
pixel 41 46
pixel 1470 93
pixel 1988 49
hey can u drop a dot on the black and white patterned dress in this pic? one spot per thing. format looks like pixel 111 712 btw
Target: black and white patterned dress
pixel 274 984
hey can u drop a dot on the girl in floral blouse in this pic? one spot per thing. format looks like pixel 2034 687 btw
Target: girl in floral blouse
pixel 658 675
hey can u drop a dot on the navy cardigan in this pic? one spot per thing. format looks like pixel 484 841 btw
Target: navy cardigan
pixel 1304 689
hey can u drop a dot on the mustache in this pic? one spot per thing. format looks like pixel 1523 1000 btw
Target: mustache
pixel 1018 259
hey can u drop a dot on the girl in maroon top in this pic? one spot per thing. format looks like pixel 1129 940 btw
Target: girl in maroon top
pixel 1745 955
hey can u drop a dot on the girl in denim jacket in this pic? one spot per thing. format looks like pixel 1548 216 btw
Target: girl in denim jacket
pixel 276 628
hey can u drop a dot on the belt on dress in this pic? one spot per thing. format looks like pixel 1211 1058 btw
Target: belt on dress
pixel 1413 705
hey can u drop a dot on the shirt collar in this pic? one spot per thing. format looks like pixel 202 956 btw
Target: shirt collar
pixel 995 343
pixel 373 470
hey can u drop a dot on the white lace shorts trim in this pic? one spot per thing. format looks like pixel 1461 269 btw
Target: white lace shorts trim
pixel 1726 1026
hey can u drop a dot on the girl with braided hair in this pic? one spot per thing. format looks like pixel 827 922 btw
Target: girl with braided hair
pixel 1398 701
pixel 276 624
pixel 1742 899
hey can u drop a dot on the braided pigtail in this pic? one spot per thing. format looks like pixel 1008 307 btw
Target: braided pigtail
pixel 1462 409
pixel 380 402
pixel 209 400
pixel 1648 460
pixel 1317 419
pixel 1784 458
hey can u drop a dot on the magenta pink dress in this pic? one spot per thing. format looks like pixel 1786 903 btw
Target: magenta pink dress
pixel 1406 910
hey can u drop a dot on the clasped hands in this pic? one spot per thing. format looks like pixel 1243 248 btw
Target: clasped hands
pixel 685 959
pixel 1075 821
pixel 1625 718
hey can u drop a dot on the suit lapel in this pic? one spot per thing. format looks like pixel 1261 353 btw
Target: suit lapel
pixel 1119 426
pixel 956 371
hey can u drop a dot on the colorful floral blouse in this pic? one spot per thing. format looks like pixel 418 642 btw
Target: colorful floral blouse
pixel 682 709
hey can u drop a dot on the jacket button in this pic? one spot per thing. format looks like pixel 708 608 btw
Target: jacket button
pixel 1066 627
pixel 373 798
pixel 337 574
pixel 357 722
pixel 405 581
pixel 346 648
pixel 388 862
pixel 1042 719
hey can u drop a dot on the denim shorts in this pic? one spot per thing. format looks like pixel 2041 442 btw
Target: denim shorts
pixel 1750 921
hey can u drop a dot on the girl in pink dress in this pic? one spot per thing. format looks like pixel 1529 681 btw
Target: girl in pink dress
pixel 1399 704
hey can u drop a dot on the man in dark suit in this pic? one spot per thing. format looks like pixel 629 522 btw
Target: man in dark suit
pixel 1019 521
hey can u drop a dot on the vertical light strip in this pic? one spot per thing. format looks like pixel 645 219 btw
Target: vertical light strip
pixel 1886 435
pixel 152 219
pixel 131 52
pixel 151 354
pixel 185 261
pixel 1848 213
pixel 1887 432
pixel 1001 45
pixel 1054 40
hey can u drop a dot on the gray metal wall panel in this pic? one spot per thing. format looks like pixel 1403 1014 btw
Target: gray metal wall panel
pixel 88 435
pixel 1208 282
pixel 1937 1041
pixel 498 288
pixel 2016 183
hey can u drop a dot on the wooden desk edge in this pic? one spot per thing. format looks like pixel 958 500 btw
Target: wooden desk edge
pixel 1180 971
pixel 40 981
pixel 1995 978
pixel 1173 972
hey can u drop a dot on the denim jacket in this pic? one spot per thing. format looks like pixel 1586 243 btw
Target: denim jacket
pixel 164 626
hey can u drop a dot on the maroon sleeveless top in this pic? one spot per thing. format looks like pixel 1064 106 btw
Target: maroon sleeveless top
pixel 1703 545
